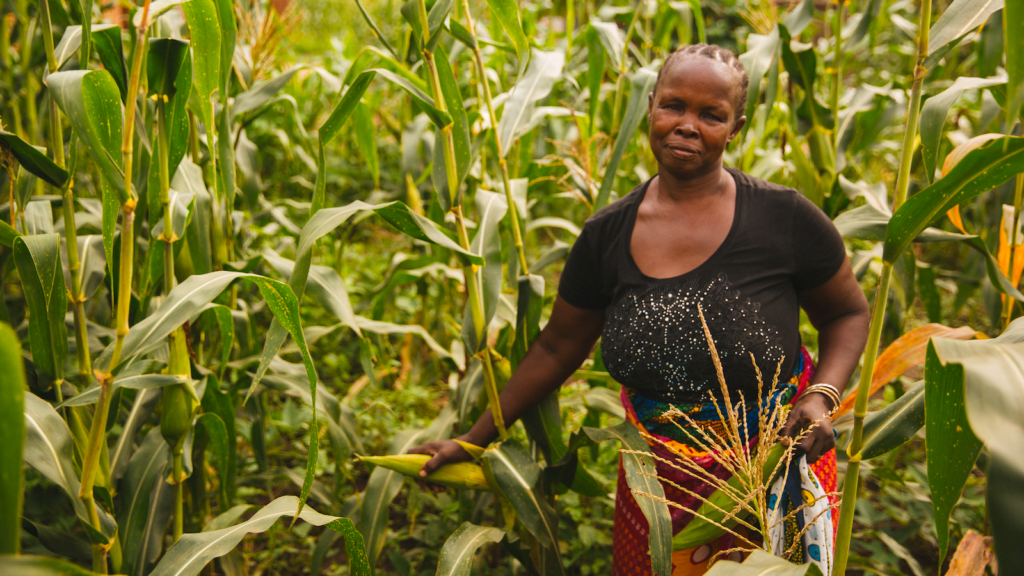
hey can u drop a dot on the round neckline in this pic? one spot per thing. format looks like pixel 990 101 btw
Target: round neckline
pixel 733 227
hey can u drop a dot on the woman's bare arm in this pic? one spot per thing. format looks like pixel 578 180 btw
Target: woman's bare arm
pixel 561 347
pixel 840 313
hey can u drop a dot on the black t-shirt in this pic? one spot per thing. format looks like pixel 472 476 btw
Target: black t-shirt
pixel 779 245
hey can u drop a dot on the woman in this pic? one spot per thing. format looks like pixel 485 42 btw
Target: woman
pixel 750 253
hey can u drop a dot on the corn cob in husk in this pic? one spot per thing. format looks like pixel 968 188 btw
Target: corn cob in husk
pixel 461 475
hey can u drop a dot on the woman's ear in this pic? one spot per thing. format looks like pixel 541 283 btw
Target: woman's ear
pixel 740 122
pixel 650 103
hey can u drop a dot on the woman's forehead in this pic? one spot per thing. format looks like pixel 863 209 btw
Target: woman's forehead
pixel 711 79
pixel 694 64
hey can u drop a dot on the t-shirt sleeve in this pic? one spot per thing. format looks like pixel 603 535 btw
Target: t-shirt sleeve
pixel 818 248
pixel 581 283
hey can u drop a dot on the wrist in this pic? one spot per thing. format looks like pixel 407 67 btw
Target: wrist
pixel 824 393
pixel 475 440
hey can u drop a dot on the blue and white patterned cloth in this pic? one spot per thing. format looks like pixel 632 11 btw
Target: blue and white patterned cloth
pixel 801 487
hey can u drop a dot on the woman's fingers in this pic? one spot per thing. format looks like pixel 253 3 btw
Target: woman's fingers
pixel 433 464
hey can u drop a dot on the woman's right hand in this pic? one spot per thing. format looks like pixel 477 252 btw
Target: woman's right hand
pixel 443 452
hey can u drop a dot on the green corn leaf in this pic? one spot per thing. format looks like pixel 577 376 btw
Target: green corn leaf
pixel 381 489
pixel 321 223
pixel 48 447
pixel 376 31
pixel 228 35
pixel 761 563
pixel 802 67
pixel 545 68
pixel 262 93
pixel 421 228
pixel 12 408
pixel 506 12
pixel 41 566
pixel 460 33
pixel 601 399
pixel 58 541
pixel 107 40
pixel 543 425
pixel 635 465
pixel 8 234
pixel 156 8
pixel 220 316
pixel 143 474
pixel 436 17
pixel 379 327
pixel 188 556
pixel 217 402
pixel 1013 37
pixel 346 107
pixel 121 453
pixel 457 109
pixel 490 209
pixel 457 553
pixel 163 64
pixel 596 63
pixel 868 222
pixel 217 433
pixel 934 112
pixel 960 19
pixel 990 371
pixel 68 46
pixel 952 447
pixel 325 284
pixel 32 159
pixel 42 275
pixel 529 307
pixel 38 218
pixel 205 31
pixel 189 298
pixel 613 42
pixel 641 85
pixel 761 52
pixel 133 382
pixel 895 424
pixel 698 18
pixel 799 18
pixel 366 139
pixel 177 124
pixel 510 468
pixel 979 171
pixel 440 118
pixel 92 102
pixel 189 179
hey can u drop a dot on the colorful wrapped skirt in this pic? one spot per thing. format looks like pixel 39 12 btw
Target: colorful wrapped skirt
pixel 630 540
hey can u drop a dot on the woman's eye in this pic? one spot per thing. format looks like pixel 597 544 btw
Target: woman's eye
pixel 712 117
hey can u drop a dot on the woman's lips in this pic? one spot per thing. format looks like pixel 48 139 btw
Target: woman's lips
pixel 683 152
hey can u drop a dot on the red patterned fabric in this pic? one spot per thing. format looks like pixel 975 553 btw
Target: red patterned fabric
pixel 630 555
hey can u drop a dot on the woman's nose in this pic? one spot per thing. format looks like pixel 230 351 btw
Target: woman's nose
pixel 686 127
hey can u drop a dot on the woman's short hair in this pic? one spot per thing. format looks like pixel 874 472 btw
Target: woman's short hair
pixel 716 54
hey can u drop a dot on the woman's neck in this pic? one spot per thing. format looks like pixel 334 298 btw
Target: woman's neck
pixel 692 189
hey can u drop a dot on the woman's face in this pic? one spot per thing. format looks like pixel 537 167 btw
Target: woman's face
pixel 693 116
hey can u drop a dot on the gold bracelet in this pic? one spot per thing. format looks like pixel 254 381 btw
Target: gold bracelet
pixel 828 391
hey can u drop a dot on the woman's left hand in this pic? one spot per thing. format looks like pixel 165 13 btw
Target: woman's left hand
pixel 810 410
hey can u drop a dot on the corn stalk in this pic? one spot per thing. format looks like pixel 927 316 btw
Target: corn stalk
pixel 845 529
pixel 481 78
pixel 473 292
pixel 99 421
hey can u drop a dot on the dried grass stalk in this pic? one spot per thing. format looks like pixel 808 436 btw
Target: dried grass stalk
pixel 730 446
